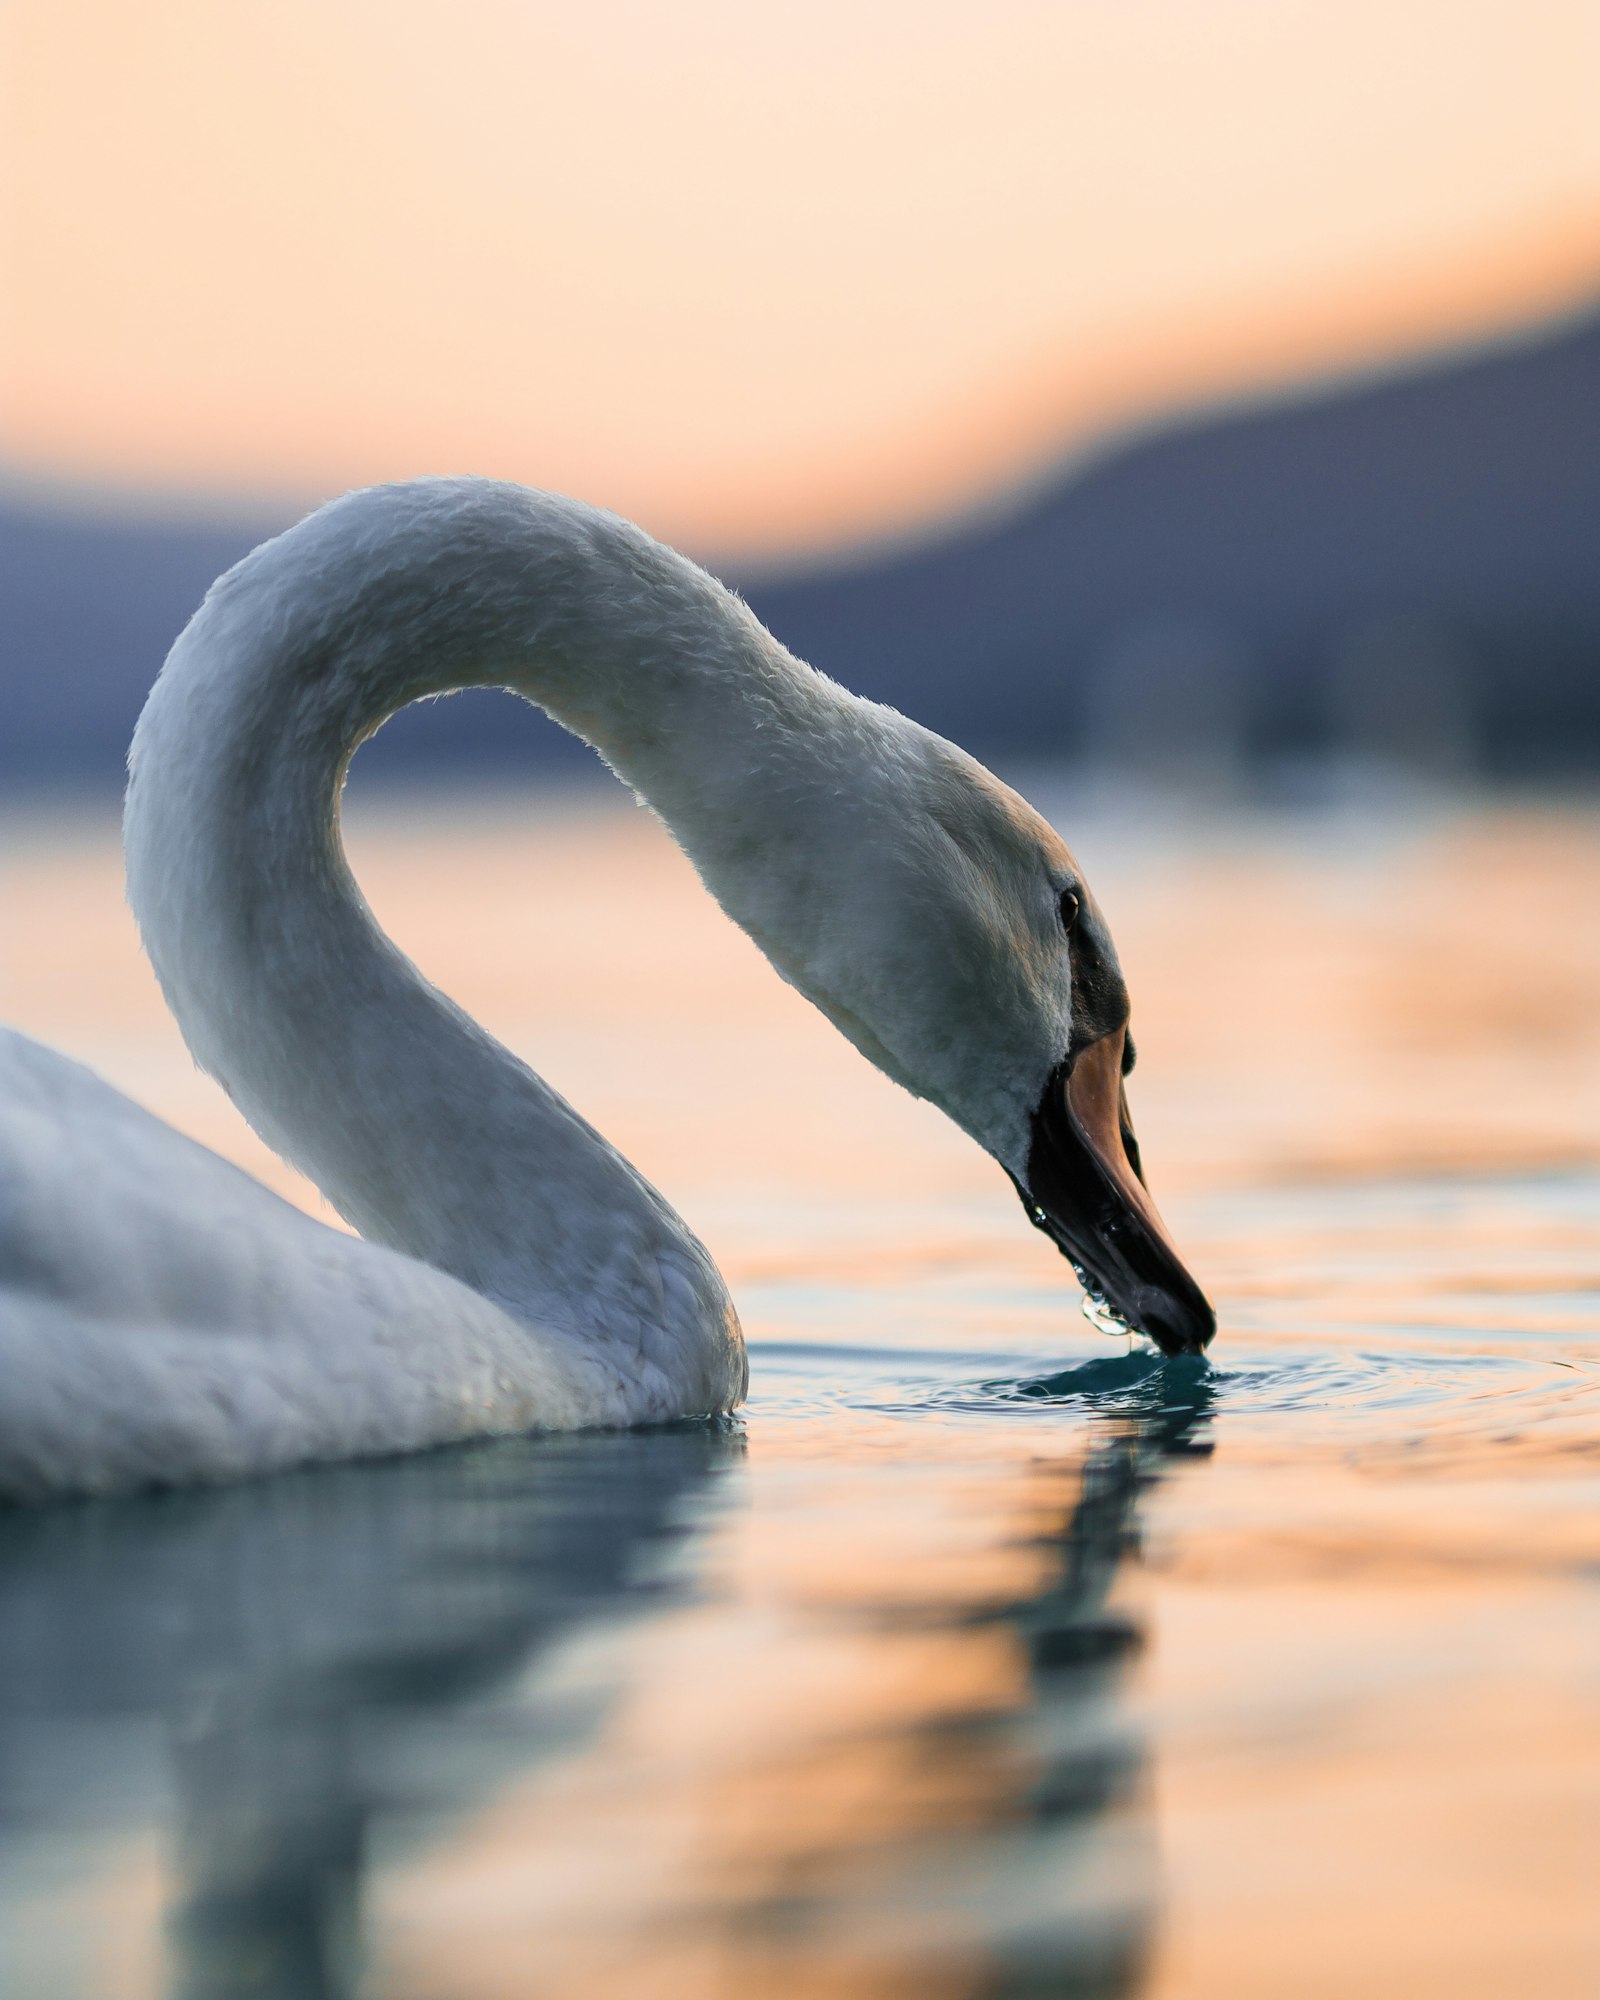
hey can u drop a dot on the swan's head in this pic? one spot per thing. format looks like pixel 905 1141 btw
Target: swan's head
pixel 946 930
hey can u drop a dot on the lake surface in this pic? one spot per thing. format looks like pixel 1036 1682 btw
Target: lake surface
pixel 979 1656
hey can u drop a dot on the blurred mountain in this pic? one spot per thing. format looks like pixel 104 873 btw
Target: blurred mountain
pixel 1405 567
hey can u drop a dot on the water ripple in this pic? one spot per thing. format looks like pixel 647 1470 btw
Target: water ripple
pixel 1300 1393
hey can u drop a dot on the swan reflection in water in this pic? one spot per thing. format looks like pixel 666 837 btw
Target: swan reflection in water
pixel 294 1653
pixel 305 1681
pixel 1097 1943
pixel 1019 1859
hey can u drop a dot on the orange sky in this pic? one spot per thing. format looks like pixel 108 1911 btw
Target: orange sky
pixel 756 275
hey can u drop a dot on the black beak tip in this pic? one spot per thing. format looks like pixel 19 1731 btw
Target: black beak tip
pixel 1178 1325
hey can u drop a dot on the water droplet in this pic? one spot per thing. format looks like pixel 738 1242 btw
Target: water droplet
pixel 1101 1314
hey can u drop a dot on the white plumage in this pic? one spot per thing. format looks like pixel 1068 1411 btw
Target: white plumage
pixel 163 1318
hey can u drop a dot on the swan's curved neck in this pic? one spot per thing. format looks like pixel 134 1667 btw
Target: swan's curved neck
pixel 419 1127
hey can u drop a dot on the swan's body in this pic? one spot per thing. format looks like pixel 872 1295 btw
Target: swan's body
pixel 166 1319
pixel 162 1317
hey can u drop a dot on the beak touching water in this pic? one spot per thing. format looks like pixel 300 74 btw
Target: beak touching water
pixel 1085 1189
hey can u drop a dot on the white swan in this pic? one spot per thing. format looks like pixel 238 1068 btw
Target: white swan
pixel 164 1319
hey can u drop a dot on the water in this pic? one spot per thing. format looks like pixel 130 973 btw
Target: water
pixel 984 1654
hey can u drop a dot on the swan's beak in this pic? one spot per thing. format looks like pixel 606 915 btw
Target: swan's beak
pixel 1086 1191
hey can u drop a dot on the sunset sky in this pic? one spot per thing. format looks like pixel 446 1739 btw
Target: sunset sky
pixel 761 276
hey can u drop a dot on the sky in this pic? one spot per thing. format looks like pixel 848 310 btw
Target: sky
pixel 767 277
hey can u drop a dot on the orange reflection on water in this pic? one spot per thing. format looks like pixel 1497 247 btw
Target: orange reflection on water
pixel 1334 999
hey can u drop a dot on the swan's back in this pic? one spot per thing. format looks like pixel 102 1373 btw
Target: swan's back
pixel 166 1319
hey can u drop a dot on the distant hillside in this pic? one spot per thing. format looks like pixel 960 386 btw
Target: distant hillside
pixel 1382 563
pixel 1411 565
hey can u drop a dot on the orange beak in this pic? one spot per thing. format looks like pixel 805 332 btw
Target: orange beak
pixel 1086 1190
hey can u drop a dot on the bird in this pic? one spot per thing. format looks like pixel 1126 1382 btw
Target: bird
pixel 165 1320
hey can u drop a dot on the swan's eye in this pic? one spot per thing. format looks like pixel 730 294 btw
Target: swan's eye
pixel 1069 909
